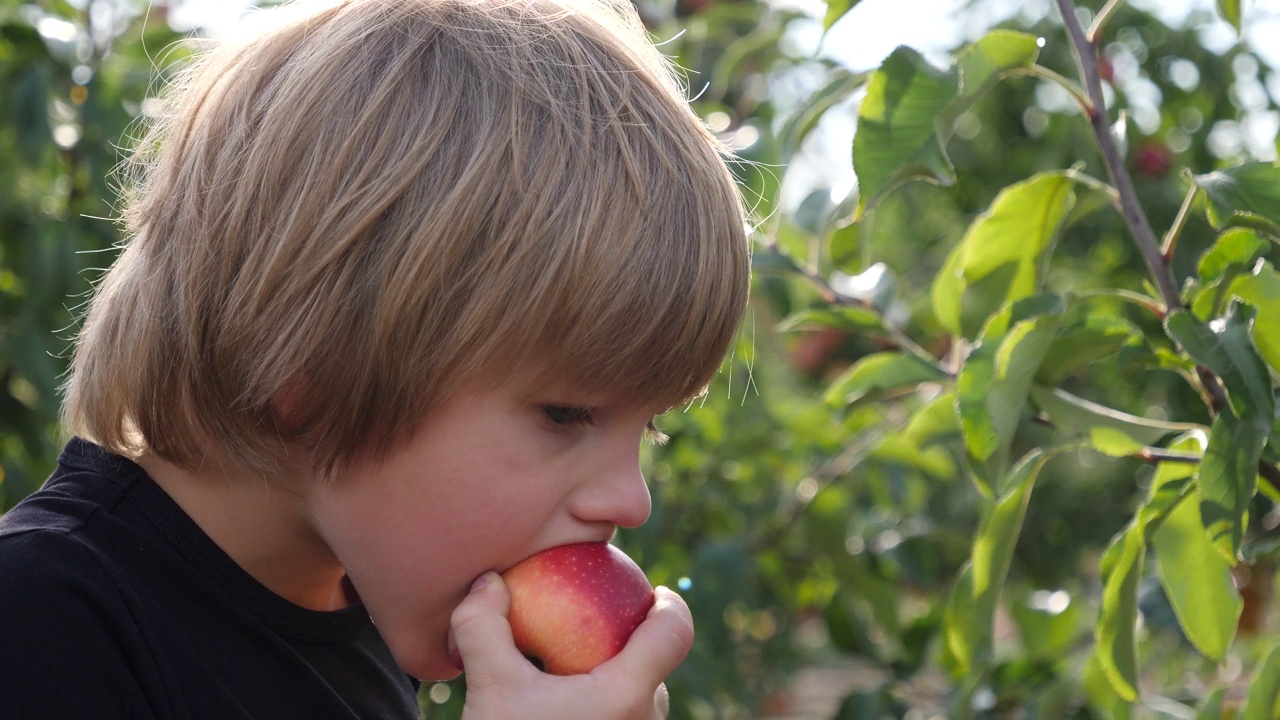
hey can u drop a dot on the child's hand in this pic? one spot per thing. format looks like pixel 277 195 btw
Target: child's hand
pixel 502 684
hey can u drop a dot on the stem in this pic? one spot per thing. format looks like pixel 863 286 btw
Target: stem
pixel 1146 303
pixel 1134 216
pixel 1158 455
pixel 1104 16
pixel 1094 183
pixel 1044 73
pixel 1170 245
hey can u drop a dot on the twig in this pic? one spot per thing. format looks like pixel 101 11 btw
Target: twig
pixel 1159 455
pixel 1044 73
pixel 1107 12
pixel 1134 216
pixel 1170 245
pixel 1094 183
pixel 1145 302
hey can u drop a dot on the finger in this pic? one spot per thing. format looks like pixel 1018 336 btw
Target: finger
pixel 482 635
pixel 660 643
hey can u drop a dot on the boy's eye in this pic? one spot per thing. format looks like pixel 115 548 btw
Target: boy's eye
pixel 564 415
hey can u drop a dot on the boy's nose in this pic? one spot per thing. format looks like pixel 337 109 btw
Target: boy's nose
pixel 616 495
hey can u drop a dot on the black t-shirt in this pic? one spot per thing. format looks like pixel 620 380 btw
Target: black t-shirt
pixel 114 604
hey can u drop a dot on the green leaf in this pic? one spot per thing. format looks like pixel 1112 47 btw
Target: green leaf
pixel 1113 442
pixel 1171 484
pixel 1235 253
pixel 1197 581
pixel 1246 195
pixel 1117 648
pixel 948 294
pixel 992 57
pixel 936 462
pixel 842 317
pixel 936 420
pixel 837 9
pixel 1236 248
pixel 869 705
pixel 1094 338
pixel 1048 623
pixel 897 137
pixel 881 371
pixel 1263 700
pixel 1228 481
pixel 1231 12
pixel 839 87
pixel 845 248
pixel 744 54
pixel 971 611
pixel 906 119
pixel 1262 290
pixel 1001 255
pixel 30 110
pixel 1225 347
pixel 1211 707
pixel 994 382
pixel 772 261
pixel 1101 693
pixel 1078 417
pixel 846 627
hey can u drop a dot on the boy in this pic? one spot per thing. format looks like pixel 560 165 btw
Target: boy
pixel 406 281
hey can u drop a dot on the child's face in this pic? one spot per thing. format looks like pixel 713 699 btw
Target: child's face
pixel 486 481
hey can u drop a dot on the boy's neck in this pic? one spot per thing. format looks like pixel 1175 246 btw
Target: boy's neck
pixel 263 526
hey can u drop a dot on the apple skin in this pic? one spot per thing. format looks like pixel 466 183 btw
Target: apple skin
pixel 575 606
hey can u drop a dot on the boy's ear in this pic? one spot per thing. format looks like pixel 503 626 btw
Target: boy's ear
pixel 289 407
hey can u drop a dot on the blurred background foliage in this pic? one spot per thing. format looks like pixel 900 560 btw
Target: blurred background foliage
pixel 802 532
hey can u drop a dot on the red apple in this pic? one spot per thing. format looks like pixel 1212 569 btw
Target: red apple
pixel 575 606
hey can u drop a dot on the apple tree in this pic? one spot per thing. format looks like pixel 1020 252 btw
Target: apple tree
pixel 1029 465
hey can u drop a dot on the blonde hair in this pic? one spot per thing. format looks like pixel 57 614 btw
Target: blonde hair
pixel 362 208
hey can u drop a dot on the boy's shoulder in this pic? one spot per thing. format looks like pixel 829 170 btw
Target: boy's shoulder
pixel 45 531
pixel 46 560
pixel 61 615
pixel 47 572
pixel 57 560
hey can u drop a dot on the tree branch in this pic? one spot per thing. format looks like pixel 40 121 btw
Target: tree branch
pixel 1134 216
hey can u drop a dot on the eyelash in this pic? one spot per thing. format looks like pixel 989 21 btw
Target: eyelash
pixel 566 416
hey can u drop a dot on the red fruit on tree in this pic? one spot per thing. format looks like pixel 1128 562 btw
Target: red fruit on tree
pixel 574 607
pixel 1106 71
pixel 1153 159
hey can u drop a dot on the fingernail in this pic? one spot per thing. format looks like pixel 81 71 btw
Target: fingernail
pixel 482 582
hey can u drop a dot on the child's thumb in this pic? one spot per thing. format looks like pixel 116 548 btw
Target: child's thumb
pixel 480 636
